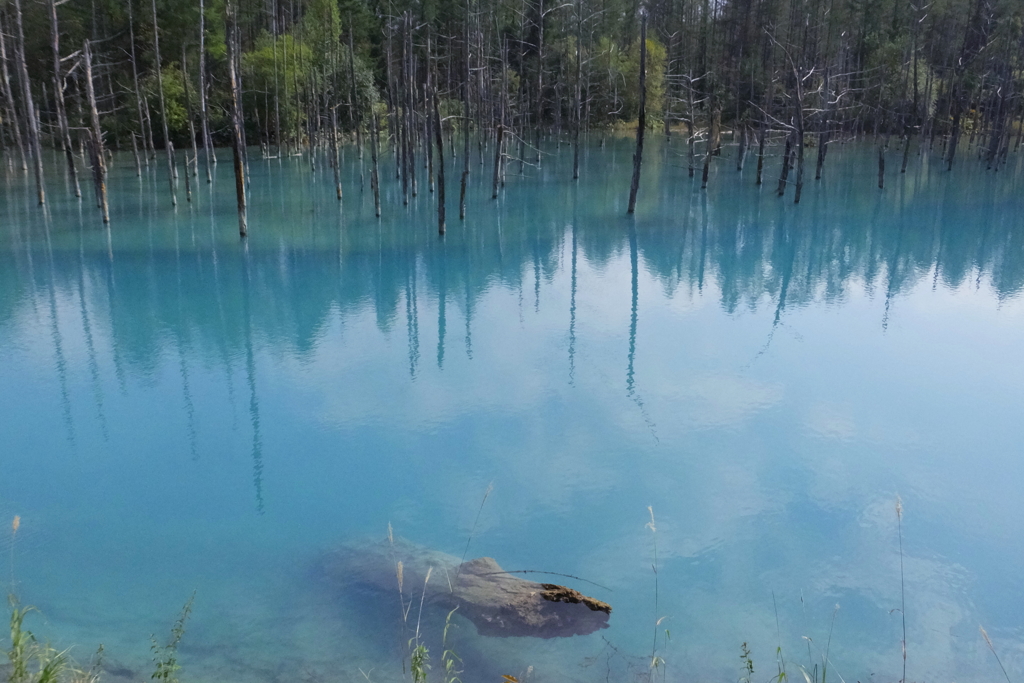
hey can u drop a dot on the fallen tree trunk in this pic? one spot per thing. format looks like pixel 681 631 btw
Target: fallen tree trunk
pixel 498 603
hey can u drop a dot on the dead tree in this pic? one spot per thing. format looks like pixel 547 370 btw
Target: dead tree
pixel 168 145
pixel 204 116
pixel 641 122
pixel 58 93
pixel 375 171
pixel 97 153
pixel 439 140
pixel 237 139
pixel 191 118
pixel 12 110
pixel 145 125
pixel 29 105
pixel 465 116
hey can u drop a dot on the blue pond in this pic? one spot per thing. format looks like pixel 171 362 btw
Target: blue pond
pixel 182 411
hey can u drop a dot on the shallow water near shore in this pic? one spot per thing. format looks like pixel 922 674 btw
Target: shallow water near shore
pixel 183 411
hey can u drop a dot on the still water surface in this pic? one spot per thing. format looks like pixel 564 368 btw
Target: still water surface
pixel 181 411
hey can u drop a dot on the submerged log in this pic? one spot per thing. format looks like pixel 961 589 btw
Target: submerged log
pixel 497 602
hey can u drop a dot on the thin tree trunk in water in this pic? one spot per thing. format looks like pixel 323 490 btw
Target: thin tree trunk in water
pixel 236 120
pixel 823 134
pixel 191 121
pixel 881 166
pixel 99 168
pixel 955 137
pixel 410 137
pixel 12 111
pixel 439 139
pixel 428 120
pixel 641 123
pixel 540 77
pixel 497 161
pixel 742 155
pixel 374 172
pixel 465 122
pixel 784 173
pixel 761 135
pixel 147 142
pixel 798 118
pixel 356 117
pixel 708 151
pixel 690 150
pixel 30 107
pixel 135 153
pixel 578 120
pixel 58 96
pixel 204 118
pixel 168 147
pixel 334 152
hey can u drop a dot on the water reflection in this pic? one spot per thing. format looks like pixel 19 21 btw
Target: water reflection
pixel 759 252
pixel 290 392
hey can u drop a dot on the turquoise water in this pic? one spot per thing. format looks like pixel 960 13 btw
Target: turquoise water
pixel 181 411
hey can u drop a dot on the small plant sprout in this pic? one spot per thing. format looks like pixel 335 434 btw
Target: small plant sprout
pixel 449 660
pixel 657 662
pixel 780 660
pixel 748 664
pixel 903 598
pixel 825 661
pixel 419 663
pixel 30 661
pixel 15 525
pixel 472 531
pixel 92 674
pixel 988 641
pixel 165 657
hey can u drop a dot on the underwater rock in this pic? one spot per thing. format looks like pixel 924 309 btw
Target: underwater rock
pixel 498 603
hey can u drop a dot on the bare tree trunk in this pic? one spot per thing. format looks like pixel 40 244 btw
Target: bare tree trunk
pixel 191 120
pixel 58 96
pixel 29 105
pixel 168 146
pixel 641 123
pixel 236 119
pixel 374 172
pixel 497 161
pixel 335 162
pixel 709 149
pixel 691 153
pixel 465 122
pixel 410 96
pixel 144 123
pixel 579 93
pixel 439 139
pixel 742 154
pixel 798 118
pixel 204 118
pixel 135 153
pixel 12 110
pixel 99 168
pixel 540 77
pixel 784 173
pixel 881 165
pixel 823 134
pixel 356 115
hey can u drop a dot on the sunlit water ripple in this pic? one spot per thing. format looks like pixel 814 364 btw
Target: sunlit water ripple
pixel 182 411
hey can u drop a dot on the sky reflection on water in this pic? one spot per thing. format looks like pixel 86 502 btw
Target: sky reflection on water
pixel 182 411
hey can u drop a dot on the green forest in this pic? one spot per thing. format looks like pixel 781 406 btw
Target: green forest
pixel 303 76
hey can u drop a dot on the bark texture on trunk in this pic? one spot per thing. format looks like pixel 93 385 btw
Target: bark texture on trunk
pixel 99 167
pixel 641 123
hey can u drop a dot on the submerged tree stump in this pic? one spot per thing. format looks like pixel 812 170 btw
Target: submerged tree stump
pixel 498 603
